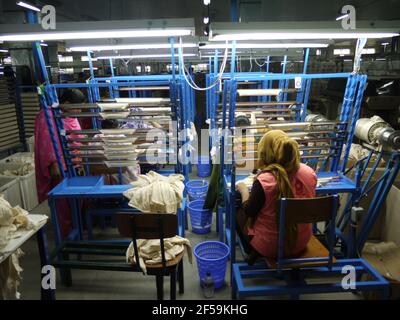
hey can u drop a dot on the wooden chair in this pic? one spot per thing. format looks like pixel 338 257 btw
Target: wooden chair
pixel 154 226
pixel 134 226
pixel 315 261
pixel 299 211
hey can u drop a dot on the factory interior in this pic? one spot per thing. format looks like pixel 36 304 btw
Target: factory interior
pixel 204 150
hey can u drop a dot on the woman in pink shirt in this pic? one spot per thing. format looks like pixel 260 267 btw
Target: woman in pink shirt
pixel 281 175
pixel 48 174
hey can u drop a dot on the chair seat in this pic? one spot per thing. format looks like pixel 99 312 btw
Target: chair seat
pixel 314 249
pixel 169 263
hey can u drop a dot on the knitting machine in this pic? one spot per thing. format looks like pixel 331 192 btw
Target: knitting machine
pixel 383 142
pixel 324 144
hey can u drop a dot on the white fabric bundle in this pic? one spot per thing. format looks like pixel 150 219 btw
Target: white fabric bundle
pixel 11 219
pixel 154 193
pixel 150 251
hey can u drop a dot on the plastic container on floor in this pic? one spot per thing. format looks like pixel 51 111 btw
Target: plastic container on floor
pixel 20 157
pixel 25 175
pixel 197 189
pixel 203 167
pixel 200 219
pixel 9 187
pixel 212 257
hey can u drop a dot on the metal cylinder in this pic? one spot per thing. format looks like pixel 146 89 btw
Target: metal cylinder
pixel 314 117
pixel 367 129
pixel 390 138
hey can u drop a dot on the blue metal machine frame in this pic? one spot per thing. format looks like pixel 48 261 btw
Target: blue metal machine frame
pixel 75 188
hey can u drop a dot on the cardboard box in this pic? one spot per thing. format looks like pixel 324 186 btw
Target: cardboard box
pixel 385 258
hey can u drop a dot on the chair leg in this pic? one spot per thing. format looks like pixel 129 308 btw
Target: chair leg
pixel 180 278
pixel 173 284
pixel 234 289
pixel 160 287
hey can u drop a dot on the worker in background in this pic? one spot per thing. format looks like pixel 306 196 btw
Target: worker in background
pixel 281 175
pixel 48 173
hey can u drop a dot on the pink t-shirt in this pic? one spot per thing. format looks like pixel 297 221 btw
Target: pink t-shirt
pixel 265 229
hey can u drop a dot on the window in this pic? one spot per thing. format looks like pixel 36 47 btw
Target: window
pixel 86 58
pixel 368 51
pixel 66 71
pixel 318 52
pixel 88 69
pixel 169 67
pixel 65 58
pixel 341 52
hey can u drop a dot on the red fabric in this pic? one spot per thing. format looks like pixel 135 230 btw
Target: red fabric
pixel 44 157
pixel 265 229
pixel 86 123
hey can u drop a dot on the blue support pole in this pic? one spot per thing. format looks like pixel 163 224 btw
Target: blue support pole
pixel 306 56
pixel 234 11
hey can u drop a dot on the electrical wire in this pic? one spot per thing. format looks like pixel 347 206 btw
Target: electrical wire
pixel 187 76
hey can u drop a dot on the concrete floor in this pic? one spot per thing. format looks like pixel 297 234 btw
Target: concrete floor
pixel 92 285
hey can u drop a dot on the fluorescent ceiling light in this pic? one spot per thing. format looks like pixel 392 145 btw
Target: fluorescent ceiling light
pixel 28 6
pixel 132 47
pixel 385 43
pixel 342 17
pixel 265 45
pixel 206 20
pixel 144 56
pixel 44 44
pixel 47 36
pixel 4 50
pixel 300 35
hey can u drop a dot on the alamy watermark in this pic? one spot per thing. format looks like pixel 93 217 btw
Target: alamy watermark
pixel 47 17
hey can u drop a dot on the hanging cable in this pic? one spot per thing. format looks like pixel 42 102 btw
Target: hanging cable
pixel 187 76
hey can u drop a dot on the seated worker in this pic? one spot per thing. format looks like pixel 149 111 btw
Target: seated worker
pixel 48 174
pixel 281 175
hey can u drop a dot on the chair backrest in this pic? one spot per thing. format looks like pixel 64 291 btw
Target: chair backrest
pixel 311 210
pixel 147 226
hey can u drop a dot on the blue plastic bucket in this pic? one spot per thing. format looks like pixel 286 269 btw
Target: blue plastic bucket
pixel 197 189
pixel 200 218
pixel 212 257
pixel 203 167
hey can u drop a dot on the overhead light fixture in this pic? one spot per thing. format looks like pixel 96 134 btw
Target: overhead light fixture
pixel 300 35
pixel 4 50
pixel 385 43
pixel 265 45
pixel 206 2
pixel 206 20
pixel 48 36
pixel 144 56
pixel 44 44
pixel 343 16
pixel 132 47
pixel 27 6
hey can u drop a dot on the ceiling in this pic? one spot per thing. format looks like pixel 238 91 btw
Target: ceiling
pixel 249 10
